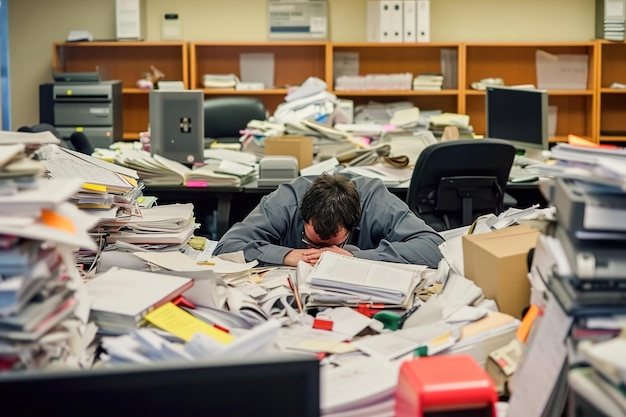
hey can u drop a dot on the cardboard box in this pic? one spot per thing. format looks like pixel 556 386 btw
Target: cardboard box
pixel 497 263
pixel 299 146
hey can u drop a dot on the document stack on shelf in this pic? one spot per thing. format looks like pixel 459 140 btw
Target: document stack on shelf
pixel 610 17
pixel 428 82
pixel 39 282
pixel 158 170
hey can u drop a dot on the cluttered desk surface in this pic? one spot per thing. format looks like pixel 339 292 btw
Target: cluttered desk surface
pixel 226 306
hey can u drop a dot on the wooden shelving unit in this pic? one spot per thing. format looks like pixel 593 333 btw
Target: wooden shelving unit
pixel 595 112
pixel 383 58
pixel 611 109
pixel 125 61
pixel 515 64
pixel 294 62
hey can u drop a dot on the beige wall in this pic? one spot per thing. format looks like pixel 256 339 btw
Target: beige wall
pixel 35 24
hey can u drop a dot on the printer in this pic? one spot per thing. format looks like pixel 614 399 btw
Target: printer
pixel 94 108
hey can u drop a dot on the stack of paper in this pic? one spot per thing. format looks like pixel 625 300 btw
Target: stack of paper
pixel 167 225
pixel 158 170
pixel 39 232
pixel 123 297
pixel 16 170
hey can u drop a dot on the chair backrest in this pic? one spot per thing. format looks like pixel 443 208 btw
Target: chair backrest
pixel 224 117
pixel 468 174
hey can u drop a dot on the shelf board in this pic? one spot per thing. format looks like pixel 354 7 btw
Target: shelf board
pixel 393 93
pixel 222 91
pixel 616 138
pixel 613 90
pixel 134 90
pixel 550 92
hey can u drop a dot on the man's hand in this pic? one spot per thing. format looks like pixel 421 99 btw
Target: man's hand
pixel 311 255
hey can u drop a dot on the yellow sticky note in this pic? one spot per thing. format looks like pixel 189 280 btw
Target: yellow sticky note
pixel 94 187
pixel 129 180
pixel 177 321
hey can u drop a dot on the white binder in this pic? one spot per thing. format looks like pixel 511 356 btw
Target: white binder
pixel 395 21
pixel 379 21
pixel 423 21
pixel 409 23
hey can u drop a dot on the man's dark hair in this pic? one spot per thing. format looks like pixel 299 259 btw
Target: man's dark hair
pixel 330 202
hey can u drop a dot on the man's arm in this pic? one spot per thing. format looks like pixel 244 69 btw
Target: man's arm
pixel 391 232
pixel 271 230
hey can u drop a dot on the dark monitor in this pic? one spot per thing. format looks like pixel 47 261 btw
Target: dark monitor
pixel 177 125
pixel 519 116
pixel 246 387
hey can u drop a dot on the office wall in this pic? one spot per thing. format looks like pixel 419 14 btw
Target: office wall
pixel 35 24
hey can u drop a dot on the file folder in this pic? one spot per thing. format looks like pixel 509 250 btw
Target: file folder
pixel 395 20
pixel 379 21
pixel 409 21
pixel 423 21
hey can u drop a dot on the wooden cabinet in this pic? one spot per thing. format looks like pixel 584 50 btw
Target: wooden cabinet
pixel 294 62
pixel 515 63
pixel 125 61
pixel 383 58
pixel 612 101
pixel 595 111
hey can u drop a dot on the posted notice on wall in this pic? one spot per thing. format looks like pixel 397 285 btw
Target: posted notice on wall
pixel 304 19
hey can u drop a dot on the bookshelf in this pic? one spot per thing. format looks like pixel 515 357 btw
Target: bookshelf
pixel 515 64
pixel 384 58
pixel 612 101
pixel 126 61
pixel 594 112
pixel 294 62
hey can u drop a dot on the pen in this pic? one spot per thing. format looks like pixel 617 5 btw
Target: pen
pixel 205 263
pixel 295 294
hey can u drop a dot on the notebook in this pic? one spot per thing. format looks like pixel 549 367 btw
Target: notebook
pixel 122 297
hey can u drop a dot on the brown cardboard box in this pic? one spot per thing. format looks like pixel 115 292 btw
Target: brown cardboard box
pixel 299 146
pixel 497 263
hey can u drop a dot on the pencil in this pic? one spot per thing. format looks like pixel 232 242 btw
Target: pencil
pixel 295 294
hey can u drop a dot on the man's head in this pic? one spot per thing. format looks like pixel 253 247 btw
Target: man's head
pixel 331 209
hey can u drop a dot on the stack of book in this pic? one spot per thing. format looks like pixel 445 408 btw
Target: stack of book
pixel 428 82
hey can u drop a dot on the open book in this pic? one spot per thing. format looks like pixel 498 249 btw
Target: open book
pixel 392 282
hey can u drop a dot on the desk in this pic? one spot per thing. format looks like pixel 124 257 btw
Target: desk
pixel 218 208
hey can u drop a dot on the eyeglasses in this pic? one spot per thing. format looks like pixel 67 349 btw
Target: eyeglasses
pixel 310 244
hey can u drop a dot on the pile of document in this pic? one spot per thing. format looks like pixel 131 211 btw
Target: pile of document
pixel 428 82
pixel 343 280
pixel 16 169
pixel 158 170
pixel 41 308
pixel 165 227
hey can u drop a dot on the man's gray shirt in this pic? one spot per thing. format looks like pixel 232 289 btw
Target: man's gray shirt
pixel 388 230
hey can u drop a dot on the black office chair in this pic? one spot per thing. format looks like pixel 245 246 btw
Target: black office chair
pixel 224 117
pixel 454 182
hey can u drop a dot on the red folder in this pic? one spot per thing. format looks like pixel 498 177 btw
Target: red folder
pixel 436 384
